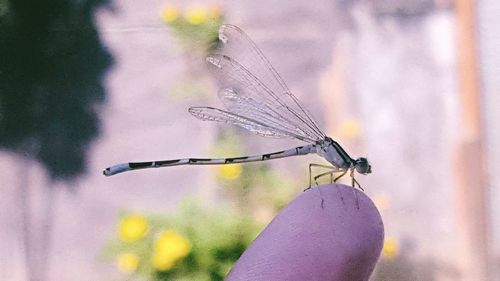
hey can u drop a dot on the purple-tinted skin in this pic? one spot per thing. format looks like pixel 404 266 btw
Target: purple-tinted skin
pixel 308 241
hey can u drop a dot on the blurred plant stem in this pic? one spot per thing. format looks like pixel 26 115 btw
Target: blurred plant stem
pixel 47 223
pixel 36 227
pixel 24 166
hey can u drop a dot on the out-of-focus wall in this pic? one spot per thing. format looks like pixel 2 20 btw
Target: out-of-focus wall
pixel 489 56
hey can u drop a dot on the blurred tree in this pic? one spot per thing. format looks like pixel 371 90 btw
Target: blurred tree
pixel 51 68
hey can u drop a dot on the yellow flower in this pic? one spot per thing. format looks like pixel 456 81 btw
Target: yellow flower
pixel 196 16
pixel 172 244
pixel 390 249
pixel 349 128
pixel 169 247
pixel 170 14
pixel 132 228
pixel 127 262
pixel 230 172
pixel 162 262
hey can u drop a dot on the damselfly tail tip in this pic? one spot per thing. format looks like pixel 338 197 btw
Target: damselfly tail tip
pixel 107 172
pixel 116 169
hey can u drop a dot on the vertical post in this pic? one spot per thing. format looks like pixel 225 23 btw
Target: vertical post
pixel 489 65
pixel 469 168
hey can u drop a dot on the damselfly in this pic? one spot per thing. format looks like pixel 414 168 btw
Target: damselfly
pixel 258 100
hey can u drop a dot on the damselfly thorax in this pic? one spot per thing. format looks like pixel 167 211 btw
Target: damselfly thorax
pixel 338 157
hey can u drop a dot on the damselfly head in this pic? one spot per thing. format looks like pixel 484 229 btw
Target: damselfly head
pixel 362 166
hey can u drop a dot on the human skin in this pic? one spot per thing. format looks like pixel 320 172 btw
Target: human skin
pixel 321 235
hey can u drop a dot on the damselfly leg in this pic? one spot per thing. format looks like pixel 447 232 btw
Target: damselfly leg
pixel 311 165
pixel 333 170
pixel 354 183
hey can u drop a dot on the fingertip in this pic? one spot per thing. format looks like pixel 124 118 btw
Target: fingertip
pixel 320 235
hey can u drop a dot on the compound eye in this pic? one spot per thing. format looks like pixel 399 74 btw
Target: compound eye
pixel 362 166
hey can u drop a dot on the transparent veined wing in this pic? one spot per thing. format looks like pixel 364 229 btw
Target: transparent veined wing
pixel 243 83
pixel 254 126
pixel 248 107
pixel 238 47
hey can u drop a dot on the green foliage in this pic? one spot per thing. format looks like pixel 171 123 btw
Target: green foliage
pixel 217 237
pixel 4 9
pixel 196 30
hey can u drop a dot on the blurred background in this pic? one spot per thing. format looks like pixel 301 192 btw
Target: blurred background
pixel 412 85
